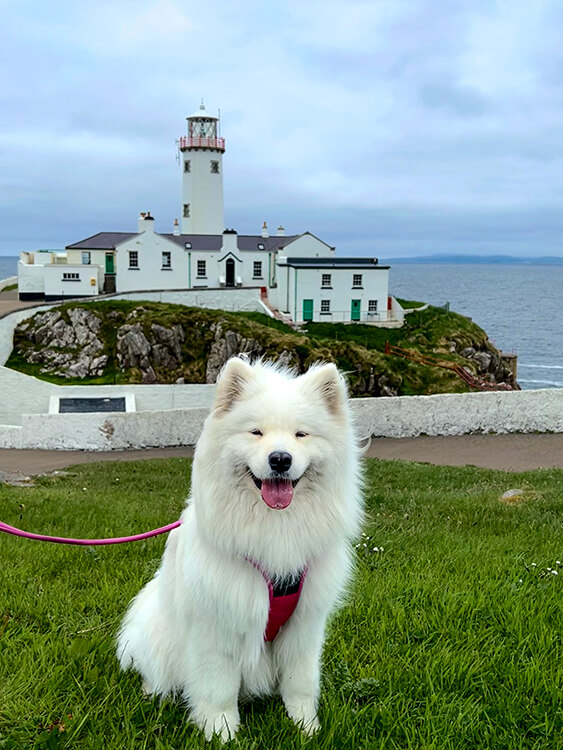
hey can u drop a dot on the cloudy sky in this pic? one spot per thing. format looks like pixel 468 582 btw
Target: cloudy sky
pixel 386 127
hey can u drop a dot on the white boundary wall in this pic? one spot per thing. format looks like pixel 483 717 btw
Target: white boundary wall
pixel 406 416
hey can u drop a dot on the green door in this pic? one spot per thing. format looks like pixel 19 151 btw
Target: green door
pixel 355 312
pixel 109 263
pixel 307 309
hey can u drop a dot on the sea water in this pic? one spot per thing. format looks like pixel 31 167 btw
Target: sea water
pixel 519 306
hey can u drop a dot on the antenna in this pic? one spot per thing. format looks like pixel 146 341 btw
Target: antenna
pixel 178 151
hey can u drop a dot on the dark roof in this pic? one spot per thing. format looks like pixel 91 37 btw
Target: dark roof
pixel 199 241
pixel 251 241
pixel 101 241
pixel 359 263
pixel 109 241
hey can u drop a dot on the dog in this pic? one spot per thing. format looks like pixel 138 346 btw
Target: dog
pixel 239 605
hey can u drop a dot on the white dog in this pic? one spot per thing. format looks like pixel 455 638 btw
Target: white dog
pixel 239 604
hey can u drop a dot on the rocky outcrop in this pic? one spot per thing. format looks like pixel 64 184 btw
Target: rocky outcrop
pixel 225 345
pixel 126 342
pixel 67 348
pixel 488 365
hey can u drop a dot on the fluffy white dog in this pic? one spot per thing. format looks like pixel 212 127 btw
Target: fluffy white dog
pixel 239 604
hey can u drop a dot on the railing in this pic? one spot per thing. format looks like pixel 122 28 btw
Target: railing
pixel 467 378
pixel 189 141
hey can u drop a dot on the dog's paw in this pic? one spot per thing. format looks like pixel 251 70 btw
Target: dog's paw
pixel 304 714
pixel 224 724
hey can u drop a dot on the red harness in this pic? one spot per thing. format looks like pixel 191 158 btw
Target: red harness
pixel 283 600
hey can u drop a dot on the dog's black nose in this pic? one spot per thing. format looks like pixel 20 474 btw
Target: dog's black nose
pixel 279 461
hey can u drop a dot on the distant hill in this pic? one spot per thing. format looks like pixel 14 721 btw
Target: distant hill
pixel 544 260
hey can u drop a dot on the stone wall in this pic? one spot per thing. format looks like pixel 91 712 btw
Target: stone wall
pixel 406 416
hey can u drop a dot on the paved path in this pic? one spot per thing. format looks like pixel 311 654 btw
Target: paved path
pixel 507 452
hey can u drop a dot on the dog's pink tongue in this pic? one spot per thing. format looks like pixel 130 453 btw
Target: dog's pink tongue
pixel 277 493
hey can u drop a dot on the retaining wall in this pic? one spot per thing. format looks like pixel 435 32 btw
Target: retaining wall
pixel 406 416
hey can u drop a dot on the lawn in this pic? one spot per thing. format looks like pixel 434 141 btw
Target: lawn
pixel 451 636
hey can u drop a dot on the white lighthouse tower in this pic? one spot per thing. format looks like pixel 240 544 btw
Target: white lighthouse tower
pixel 202 175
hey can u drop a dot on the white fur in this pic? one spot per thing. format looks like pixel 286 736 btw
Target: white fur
pixel 198 627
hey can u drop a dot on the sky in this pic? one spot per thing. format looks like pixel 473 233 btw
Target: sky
pixel 387 127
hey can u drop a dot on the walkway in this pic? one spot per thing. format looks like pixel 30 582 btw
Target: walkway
pixel 506 452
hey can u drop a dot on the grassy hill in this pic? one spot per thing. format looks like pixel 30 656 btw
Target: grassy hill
pixel 134 342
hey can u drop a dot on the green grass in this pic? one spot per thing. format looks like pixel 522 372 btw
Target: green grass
pixel 9 288
pixel 451 636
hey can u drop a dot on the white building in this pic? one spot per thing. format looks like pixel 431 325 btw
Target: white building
pixel 297 275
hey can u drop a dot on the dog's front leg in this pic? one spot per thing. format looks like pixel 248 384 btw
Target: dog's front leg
pixel 212 691
pixel 298 653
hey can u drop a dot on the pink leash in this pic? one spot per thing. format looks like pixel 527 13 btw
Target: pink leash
pixel 88 542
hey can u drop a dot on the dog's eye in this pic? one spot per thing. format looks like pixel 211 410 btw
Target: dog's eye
pixel 301 433
pixel 258 433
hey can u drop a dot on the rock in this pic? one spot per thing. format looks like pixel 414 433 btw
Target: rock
pixel 226 345
pixel 385 389
pixel 468 352
pixel 483 360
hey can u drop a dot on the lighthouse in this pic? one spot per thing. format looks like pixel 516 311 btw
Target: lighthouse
pixel 202 175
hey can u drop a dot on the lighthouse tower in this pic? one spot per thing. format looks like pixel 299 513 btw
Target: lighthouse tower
pixel 202 175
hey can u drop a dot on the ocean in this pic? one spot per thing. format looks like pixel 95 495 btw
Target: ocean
pixel 519 306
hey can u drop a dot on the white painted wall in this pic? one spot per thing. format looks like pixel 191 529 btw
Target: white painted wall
pixel 406 416
pixel 308 246
pixel 297 284
pixel 8 281
pixel 230 300
pixel 87 285
pixel 150 273
pixel 202 189
pixel 31 278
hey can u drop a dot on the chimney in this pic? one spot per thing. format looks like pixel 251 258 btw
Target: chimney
pixel 265 230
pixel 281 231
pixel 176 230
pixel 146 222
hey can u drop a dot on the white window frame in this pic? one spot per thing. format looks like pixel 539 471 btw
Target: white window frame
pixel 357 284
pixel 201 266
pixel 186 211
pixel 326 280
pixel 86 257
pixel 325 307
pixel 133 259
pixel 214 166
pixel 372 306
pixel 257 269
pixel 166 260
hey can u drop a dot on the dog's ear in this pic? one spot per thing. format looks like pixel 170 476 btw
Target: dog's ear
pixel 231 382
pixel 330 385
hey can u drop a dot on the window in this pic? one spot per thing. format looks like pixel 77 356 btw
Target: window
pixel 71 276
pixel 85 258
pixel 214 167
pixel 257 269
pixel 357 279
pixel 186 210
pixel 133 259
pixel 201 269
pixel 325 306
pixel 326 279
pixel 187 166
pixel 166 259
pixel 372 306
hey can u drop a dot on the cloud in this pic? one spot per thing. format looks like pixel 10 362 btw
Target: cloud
pixel 357 120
